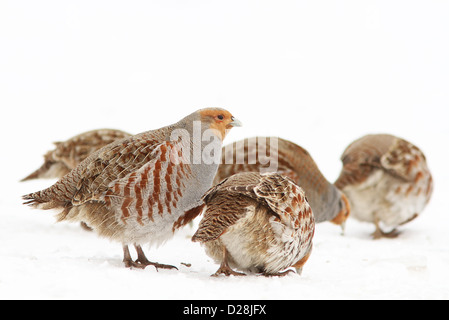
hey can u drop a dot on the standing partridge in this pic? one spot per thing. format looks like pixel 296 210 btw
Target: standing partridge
pixel 258 223
pixel 68 154
pixel 272 154
pixel 142 188
pixel 387 181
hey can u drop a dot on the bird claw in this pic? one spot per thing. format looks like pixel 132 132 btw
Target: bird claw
pixel 133 264
pixel 155 264
pixel 162 266
pixel 378 234
pixel 142 262
pixel 279 274
pixel 227 271
pixel 139 264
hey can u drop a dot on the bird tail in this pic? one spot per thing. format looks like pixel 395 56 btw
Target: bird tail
pixel 48 170
pixel 44 199
pixel 35 175
pixel 188 216
pixel 37 200
pixel 197 237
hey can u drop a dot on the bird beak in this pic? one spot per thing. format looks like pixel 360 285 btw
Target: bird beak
pixel 235 122
pixel 343 227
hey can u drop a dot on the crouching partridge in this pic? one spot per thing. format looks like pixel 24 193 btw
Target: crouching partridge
pixel 68 154
pixel 387 181
pixel 258 223
pixel 141 189
pixel 272 154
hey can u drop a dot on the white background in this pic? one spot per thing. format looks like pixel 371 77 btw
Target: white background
pixel 319 73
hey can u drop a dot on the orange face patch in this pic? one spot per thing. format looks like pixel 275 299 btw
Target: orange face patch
pixel 219 119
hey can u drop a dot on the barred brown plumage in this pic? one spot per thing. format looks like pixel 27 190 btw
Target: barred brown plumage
pixel 68 154
pixel 273 154
pixel 142 188
pixel 386 180
pixel 258 223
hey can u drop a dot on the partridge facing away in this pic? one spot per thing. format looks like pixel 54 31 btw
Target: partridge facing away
pixel 258 223
pixel 273 154
pixel 387 181
pixel 141 189
pixel 68 154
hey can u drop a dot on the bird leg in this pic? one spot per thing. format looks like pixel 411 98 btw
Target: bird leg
pixel 142 262
pixel 225 268
pixel 128 261
pixel 142 259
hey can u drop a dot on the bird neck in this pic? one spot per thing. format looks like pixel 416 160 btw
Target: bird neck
pixel 200 144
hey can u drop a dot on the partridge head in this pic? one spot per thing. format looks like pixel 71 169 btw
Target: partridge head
pixel 273 154
pixel 258 223
pixel 141 189
pixel 387 181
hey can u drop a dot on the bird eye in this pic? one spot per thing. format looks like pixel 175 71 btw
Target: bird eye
pixel 220 117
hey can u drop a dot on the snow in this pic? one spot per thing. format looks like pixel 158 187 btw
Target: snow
pixel 319 73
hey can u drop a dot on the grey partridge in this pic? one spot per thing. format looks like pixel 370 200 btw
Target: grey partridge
pixel 68 154
pixel 141 189
pixel 386 180
pixel 273 154
pixel 258 223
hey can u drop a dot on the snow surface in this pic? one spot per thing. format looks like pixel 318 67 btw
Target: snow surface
pixel 319 73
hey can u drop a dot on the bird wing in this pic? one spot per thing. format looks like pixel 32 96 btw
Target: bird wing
pixel 74 150
pixel 93 176
pixel 104 168
pixel 230 200
pixel 235 184
pixel 154 187
pixel 226 203
pixel 373 152
pixel 361 158
pixel 284 197
pixel 400 160
pixel 221 213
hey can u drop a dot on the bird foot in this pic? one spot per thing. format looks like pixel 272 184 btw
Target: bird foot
pixel 227 271
pixel 133 264
pixel 145 263
pixel 378 234
pixel 139 264
pixel 279 274
pixel 142 262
